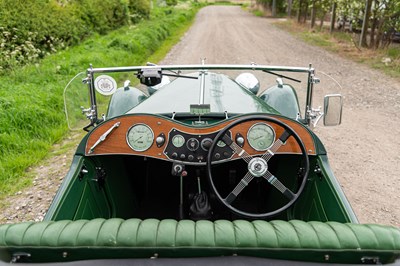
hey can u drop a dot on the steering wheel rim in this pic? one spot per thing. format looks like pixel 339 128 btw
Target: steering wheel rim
pixel 288 132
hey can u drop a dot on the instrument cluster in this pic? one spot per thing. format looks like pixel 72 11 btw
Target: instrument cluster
pixel 162 138
pixel 193 149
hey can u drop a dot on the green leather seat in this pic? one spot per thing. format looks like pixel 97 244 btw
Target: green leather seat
pixel 117 238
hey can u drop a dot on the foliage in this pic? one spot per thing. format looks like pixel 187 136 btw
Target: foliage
pixel 139 9
pixel 387 60
pixel 383 21
pixel 31 104
pixel 32 29
pixel 280 5
pixel 172 2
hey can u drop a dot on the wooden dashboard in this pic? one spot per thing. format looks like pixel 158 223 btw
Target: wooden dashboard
pixel 191 145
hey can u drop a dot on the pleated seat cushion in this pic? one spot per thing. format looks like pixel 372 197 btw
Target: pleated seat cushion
pixel 117 238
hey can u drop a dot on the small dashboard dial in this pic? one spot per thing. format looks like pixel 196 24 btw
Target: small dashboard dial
pixel 192 144
pixel 261 136
pixel 178 141
pixel 140 137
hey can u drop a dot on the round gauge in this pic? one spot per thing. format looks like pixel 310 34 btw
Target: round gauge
pixel 192 144
pixel 178 141
pixel 261 136
pixel 140 137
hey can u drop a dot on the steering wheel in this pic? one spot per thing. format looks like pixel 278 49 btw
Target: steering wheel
pixel 258 166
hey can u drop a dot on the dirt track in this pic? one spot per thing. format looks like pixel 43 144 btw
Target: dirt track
pixel 364 151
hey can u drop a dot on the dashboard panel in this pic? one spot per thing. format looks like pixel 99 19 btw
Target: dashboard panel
pixel 163 138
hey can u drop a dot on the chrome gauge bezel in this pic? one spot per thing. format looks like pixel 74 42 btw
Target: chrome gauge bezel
pixel 273 136
pixel 148 144
pixel 180 137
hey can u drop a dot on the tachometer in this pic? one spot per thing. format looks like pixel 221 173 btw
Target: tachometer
pixel 261 136
pixel 140 137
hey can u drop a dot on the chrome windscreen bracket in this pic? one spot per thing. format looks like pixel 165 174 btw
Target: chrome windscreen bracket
pixel 314 115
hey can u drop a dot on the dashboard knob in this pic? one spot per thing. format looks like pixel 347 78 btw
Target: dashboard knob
pixel 190 157
pixel 206 144
pixel 240 141
pixel 160 140
pixel 174 155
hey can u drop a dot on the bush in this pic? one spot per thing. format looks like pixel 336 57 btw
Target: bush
pixel 172 2
pixel 31 29
pixel 139 9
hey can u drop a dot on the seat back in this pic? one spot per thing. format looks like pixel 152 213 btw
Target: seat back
pixel 135 238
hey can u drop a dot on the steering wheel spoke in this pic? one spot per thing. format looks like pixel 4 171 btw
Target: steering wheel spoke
pixel 275 147
pixel 273 180
pixel 236 148
pixel 239 188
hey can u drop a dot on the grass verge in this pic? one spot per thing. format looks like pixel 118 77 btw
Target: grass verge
pixel 344 44
pixel 31 104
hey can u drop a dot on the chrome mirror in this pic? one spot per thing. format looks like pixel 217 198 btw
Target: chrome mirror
pixel 333 104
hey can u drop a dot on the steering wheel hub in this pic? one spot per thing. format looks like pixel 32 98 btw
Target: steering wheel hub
pixel 257 166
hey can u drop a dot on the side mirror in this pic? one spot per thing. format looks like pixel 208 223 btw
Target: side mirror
pixel 333 105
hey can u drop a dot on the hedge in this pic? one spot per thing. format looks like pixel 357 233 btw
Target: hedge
pixel 31 29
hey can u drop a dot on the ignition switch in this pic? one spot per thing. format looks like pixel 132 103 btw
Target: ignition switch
pixel 178 170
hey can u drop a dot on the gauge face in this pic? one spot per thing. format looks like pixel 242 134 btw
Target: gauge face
pixel 192 144
pixel 140 137
pixel 260 136
pixel 178 141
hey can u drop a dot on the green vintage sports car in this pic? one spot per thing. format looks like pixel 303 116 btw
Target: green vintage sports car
pixel 199 164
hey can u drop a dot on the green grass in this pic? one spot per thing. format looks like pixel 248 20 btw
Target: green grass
pixel 31 104
pixel 257 13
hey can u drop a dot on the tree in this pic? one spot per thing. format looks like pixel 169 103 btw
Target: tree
pixel 367 14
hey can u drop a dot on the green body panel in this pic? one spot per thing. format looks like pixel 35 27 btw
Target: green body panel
pixel 123 100
pixel 323 198
pixel 80 196
pixel 282 98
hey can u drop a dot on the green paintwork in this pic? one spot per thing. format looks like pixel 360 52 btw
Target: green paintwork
pixel 282 98
pixel 123 100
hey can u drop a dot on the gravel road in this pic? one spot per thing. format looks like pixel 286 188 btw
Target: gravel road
pixel 364 151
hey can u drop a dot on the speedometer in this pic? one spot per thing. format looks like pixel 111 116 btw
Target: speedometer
pixel 261 136
pixel 140 137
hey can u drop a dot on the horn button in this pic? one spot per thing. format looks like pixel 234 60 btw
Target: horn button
pixel 258 167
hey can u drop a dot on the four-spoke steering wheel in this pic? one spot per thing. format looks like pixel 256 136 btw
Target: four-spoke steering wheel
pixel 258 166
